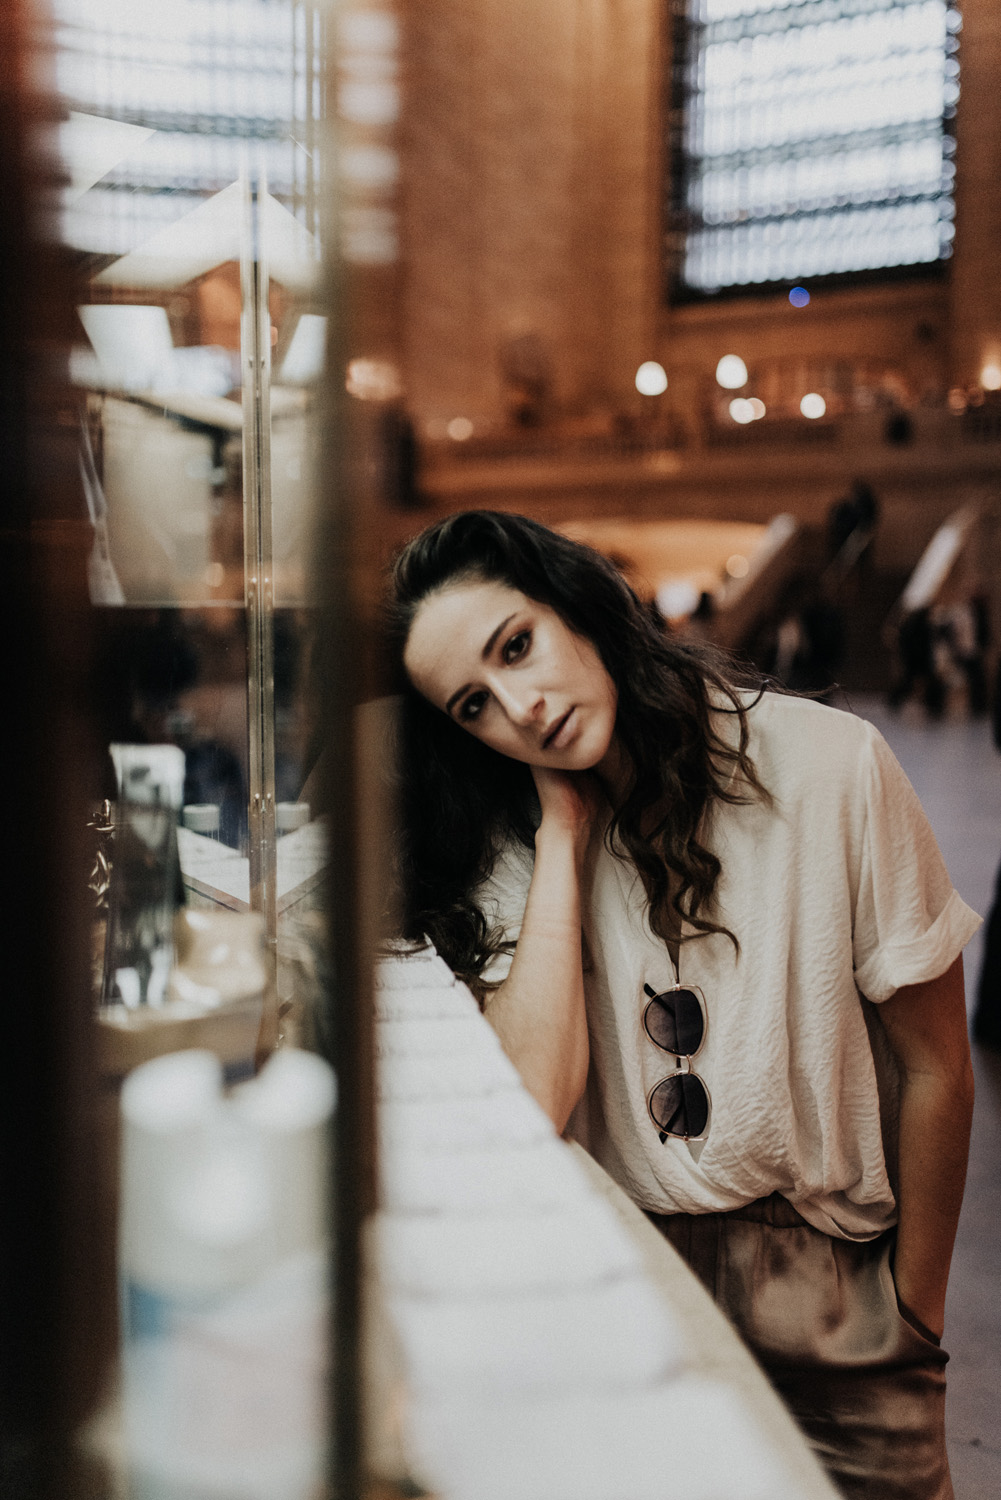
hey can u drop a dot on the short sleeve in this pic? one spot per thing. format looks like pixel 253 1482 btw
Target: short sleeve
pixel 502 898
pixel 910 924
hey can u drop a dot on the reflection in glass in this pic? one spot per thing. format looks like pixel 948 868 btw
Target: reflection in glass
pixel 190 207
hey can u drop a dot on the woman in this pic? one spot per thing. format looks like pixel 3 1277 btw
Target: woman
pixel 713 930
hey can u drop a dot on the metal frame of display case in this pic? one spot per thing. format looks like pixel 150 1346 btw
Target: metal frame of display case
pixel 259 592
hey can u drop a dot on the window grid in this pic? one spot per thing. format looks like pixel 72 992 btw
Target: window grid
pixel 809 140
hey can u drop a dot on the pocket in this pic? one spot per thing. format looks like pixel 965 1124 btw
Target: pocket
pixel 913 1321
pixel 918 1341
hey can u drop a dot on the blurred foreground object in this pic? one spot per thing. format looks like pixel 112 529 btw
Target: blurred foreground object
pixel 56 1269
pixel 222 1262
pixel 214 999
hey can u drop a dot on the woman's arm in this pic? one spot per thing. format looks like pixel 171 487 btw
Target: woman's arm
pixel 926 1025
pixel 538 1012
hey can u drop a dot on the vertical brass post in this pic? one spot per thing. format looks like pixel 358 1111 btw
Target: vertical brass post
pixel 258 553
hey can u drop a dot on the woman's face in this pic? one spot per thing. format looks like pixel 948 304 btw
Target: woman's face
pixel 507 669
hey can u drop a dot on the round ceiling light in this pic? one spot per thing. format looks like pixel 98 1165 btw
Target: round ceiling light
pixel 731 372
pixel 651 378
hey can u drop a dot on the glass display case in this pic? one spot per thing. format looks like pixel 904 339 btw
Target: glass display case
pixel 222 241
pixel 192 208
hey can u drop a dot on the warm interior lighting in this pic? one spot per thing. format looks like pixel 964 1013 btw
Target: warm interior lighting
pixel 813 405
pixel 731 372
pixel 990 376
pixel 372 380
pixel 651 378
pixel 737 565
pixel 677 598
pixel 757 407
pixel 658 555
pixel 741 410
pixel 459 429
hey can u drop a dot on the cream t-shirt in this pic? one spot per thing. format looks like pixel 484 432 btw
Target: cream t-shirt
pixel 837 891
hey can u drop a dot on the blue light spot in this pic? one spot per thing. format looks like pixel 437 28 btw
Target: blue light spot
pixel 799 296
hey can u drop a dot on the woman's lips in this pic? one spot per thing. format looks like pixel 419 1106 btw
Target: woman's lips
pixel 557 736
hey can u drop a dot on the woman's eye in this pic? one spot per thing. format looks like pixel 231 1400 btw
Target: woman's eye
pixel 471 707
pixel 517 645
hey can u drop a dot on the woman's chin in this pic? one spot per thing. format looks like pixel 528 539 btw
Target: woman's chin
pixel 590 754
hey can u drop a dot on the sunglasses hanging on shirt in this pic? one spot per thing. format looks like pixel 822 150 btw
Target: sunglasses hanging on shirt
pixel 675 1021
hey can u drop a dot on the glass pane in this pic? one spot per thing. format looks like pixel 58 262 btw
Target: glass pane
pixel 190 142
pixel 191 210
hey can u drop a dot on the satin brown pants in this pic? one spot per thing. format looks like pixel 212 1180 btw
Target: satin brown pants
pixel 865 1382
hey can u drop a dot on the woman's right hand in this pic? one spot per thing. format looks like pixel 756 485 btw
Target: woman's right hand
pixel 571 805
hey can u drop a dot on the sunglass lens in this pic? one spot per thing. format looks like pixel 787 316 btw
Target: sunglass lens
pixel 680 1105
pixel 674 1021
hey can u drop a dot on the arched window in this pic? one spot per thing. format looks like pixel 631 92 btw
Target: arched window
pixel 809 140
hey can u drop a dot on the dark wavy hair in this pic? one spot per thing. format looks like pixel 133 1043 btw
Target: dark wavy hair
pixel 460 801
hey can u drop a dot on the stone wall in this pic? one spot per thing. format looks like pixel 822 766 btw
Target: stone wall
pixel 533 223
pixel 529 200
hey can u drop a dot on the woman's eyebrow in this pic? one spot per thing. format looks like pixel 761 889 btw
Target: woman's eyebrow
pixel 491 643
pixel 484 654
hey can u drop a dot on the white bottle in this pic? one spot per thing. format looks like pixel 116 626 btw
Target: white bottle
pixel 223 1266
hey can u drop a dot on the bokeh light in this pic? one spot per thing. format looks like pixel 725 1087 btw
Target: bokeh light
pixel 731 372
pixel 651 378
pixel 741 410
pixel 737 565
pixel 799 296
pixel 459 429
pixel 677 598
pixel 990 376
pixel 813 405
pixel 757 407
pixel 373 380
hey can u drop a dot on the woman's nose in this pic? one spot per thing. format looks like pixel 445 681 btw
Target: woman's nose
pixel 522 703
